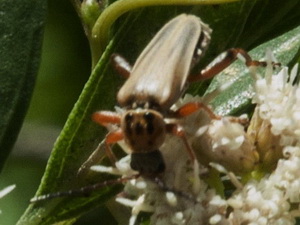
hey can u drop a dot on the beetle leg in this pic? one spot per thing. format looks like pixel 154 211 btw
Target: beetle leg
pixel 111 138
pixel 121 65
pixel 98 154
pixel 223 61
pixel 179 132
pixel 244 121
pixel 192 107
pixel 93 159
pixel 106 117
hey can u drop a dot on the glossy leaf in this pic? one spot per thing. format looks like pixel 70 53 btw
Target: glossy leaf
pixel 238 96
pixel 21 33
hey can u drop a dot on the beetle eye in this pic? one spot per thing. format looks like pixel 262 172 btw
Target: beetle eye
pixel 128 117
pixel 149 116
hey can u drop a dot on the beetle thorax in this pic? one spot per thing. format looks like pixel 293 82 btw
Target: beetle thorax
pixel 144 129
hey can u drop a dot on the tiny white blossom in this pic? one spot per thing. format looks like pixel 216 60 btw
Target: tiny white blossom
pixel 6 191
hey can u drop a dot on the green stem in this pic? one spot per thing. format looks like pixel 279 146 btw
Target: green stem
pixel 100 32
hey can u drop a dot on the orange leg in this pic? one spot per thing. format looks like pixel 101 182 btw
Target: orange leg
pixel 179 132
pixel 110 139
pixel 192 107
pixel 121 65
pixel 186 110
pixel 223 61
pixel 104 118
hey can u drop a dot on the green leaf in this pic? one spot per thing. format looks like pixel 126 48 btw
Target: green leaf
pixel 237 97
pixel 21 33
pixel 78 139
pixel 269 19
pixel 80 135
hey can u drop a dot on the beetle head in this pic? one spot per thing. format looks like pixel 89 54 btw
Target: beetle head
pixel 144 130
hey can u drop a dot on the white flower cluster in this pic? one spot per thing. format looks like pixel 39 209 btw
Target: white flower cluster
pixel 275 199
pixel 278 102
pixel 180 196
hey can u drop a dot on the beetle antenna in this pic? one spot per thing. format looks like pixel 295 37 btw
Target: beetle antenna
pixel 84 191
